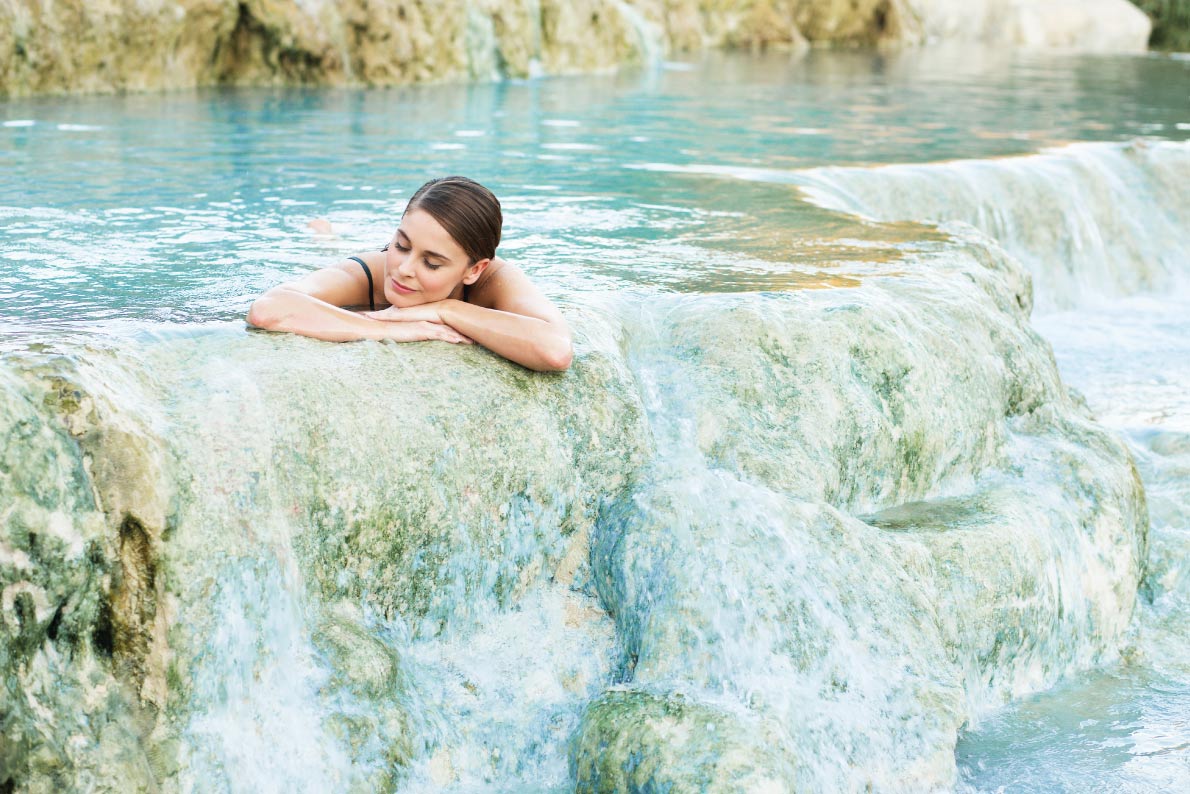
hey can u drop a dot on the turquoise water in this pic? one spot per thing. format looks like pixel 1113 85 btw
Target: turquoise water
pixel 681 195
pixel 113 203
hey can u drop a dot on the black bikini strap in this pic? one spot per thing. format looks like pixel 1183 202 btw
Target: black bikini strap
pixel 368 273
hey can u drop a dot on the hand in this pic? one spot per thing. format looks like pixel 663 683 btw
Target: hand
pixel 423 312
pixel 422 330
pixel 320 226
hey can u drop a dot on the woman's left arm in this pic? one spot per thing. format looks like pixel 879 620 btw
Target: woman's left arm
pixel 508 315
pixel 530 341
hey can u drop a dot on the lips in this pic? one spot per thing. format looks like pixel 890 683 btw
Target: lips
pixel 400 289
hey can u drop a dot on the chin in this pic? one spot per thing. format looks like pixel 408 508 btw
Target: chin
pixel 403 301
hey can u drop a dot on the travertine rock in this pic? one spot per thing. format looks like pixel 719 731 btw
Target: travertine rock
pixel 103 45
pixel 1094 25
pixel 116 45
pixel 84 503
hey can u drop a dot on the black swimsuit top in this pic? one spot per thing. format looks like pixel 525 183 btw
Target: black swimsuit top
pixel 368 273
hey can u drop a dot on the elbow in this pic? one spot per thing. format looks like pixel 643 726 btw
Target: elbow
pixel 265 312
pixel 558 357
pixel 259 315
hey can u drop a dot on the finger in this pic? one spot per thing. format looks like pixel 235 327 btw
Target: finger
pixel 454 337
pixel 387 315
pixel 442 333
pixel 394 315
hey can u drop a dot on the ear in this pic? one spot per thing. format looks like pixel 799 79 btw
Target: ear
pixel 475 271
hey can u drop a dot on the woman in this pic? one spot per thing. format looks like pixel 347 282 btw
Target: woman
pixel 440 279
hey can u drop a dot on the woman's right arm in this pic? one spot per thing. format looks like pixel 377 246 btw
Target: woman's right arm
pixel 312 306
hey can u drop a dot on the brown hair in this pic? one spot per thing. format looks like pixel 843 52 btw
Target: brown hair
pixel 468 211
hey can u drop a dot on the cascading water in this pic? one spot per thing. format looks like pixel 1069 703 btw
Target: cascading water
pixel 1104 231
pixel 811 507
pixel 1092 222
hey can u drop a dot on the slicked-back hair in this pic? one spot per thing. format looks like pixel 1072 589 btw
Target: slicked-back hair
pixel 468 211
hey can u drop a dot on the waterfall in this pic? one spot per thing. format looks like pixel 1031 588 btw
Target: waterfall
pixel 649 36
pixel 1091 221
pixel 483 58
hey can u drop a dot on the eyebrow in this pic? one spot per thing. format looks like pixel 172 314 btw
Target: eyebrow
pixel 408 239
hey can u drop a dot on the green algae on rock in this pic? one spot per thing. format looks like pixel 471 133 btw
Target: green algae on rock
pixel 112 577
pixel 640 741
pixel 82 652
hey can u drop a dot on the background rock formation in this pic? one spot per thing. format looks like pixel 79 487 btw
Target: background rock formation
pixel 1171 23
pixel 121 45
pixel 1096 25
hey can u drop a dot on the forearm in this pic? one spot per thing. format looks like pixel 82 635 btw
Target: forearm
pixel 298 313
pixel 529 341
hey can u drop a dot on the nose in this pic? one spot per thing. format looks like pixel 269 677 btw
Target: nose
pixel 405 267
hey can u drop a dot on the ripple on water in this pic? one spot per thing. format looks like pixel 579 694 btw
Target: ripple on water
pixel 1122 731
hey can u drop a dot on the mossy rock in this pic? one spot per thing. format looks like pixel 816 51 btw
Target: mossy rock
pixel 635 741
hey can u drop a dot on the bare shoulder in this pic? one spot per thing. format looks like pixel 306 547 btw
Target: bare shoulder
pixel 505 287
pixel 344 283
pixel 373 259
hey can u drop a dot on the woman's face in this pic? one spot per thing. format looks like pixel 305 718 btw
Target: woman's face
pixel 424 263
